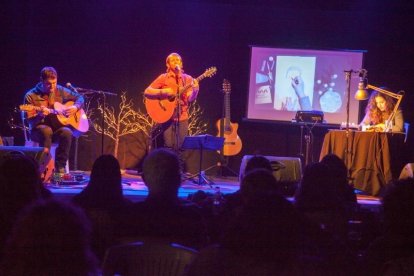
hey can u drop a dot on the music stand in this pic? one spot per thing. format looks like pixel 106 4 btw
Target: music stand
pixel 202 142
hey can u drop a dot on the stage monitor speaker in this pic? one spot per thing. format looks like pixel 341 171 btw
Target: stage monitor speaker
pixel 285 169
pixel 35 152
pixel 407 171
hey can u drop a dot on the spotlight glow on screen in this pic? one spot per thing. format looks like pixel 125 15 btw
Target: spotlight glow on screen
pixel 283 81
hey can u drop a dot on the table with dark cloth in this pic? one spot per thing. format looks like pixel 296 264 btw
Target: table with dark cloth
pixel 373 159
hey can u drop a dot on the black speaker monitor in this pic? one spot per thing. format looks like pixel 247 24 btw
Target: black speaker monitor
pixel 37 153
pixel 285 169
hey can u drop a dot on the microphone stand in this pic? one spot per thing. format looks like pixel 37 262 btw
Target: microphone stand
pixel 103 95
pixel 178 111
pixel 348 96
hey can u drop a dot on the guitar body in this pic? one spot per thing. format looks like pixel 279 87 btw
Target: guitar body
pixel 232 142
pixel 78 122
pixel 160 110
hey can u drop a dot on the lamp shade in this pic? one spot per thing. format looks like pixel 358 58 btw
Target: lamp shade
pixel 361 94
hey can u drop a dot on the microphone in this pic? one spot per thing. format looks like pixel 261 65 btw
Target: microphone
pixel 71 87
pixel 177 68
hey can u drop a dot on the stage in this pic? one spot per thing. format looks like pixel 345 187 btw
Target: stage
pixel 135 189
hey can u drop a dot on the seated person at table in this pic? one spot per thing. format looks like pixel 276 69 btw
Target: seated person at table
pixel 379 109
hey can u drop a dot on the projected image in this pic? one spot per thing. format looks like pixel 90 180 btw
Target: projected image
pixel 294 84
pixel 283 81
pixel 330 100
pixel 265 81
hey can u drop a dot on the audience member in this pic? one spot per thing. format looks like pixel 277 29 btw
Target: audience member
pixel 255 162
pixel 363 225
pixel 340 173
pixel 258 185
pixel 21 185
pixel 104 203
pixel 397 241
pixel 162 215
pixel 50 238
pixel 233 200
pixel 401 267
pixel 258 162
pixel 320 196
pixel 320 199
pixel 262 238
pixel 104 190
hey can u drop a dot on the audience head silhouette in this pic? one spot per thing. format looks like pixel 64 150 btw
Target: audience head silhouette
pixel 265 229
pixel 336 165
pixel 339 172
pixel 258 162
pixel 23 182
pixel 255 162
pixel 398 204
pixel 105 184
pixel 161 173
pixel 258 185
pixel 318 190
pixel 50 238
pixel 20 186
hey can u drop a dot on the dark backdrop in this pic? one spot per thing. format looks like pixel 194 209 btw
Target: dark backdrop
pixel 121 46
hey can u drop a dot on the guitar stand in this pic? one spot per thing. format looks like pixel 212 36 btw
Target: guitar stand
pixel 223 165
pixel 202 142
pixel 202 179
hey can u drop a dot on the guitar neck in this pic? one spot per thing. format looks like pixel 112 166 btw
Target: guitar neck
pixel 226 110
pixel 41 108
pixel 185 87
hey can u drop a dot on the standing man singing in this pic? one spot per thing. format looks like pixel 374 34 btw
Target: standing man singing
pixel 167 86
pixel 43 125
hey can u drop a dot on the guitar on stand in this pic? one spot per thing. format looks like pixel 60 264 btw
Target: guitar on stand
pixel 232 142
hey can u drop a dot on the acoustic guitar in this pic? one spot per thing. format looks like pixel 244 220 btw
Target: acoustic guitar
pixel 227 129
pixel 79 121
pixel 161 110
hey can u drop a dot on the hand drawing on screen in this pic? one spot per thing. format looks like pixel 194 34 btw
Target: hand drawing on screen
pixel 299 87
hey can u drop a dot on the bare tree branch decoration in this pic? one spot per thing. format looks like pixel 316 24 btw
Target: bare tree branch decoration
pixel 126 121
pixel 196 125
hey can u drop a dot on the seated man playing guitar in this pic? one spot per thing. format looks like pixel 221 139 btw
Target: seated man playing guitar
pixel 43 123
pixel 162 97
